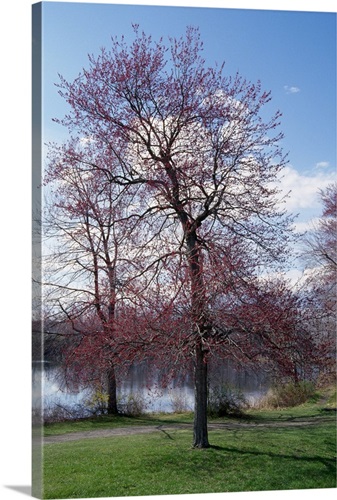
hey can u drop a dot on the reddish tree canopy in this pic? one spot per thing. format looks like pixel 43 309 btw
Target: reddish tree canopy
pixel 189 146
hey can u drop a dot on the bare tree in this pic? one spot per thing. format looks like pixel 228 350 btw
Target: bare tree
pixel 321 285
pixel 85 269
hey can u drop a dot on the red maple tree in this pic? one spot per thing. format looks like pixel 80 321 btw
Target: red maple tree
pixel 320 286
pixel 87 266
pixel 202 164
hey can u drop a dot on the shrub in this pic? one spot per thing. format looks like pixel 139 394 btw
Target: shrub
pixel 225 401
pixel 288 395
pixel 97 403
pixel 132 404
pixel 128 404
pixel 59 412
pixel 179 402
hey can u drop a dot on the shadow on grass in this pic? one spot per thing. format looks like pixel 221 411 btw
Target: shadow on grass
pixel 167 434
pixel 285 417
pixel 329 463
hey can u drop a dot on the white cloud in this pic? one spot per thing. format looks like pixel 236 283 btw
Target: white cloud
pixel 322 164
pixel 304 188
pixel 306 226
pixel 87 140
pixel 295 276
pixel 303 226
pixel 291 89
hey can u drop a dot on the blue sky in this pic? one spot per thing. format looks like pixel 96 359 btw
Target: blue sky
pixel 292 53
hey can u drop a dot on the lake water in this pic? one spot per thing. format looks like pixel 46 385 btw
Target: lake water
pixel 153 398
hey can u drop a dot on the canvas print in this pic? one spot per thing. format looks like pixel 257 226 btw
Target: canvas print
pixel 184 250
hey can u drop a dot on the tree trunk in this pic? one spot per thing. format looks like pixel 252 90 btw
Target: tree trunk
pixel 200 433
pixel 296 379
pixel 112 392
pixel 198 307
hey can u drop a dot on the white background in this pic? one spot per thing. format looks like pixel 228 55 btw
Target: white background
pixel 15 263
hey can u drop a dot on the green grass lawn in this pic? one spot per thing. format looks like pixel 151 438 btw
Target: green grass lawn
pixel 253 458
pixel 111 422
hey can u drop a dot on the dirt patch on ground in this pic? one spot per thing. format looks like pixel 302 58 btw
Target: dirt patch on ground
pixel 103 433
pixel 137 429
